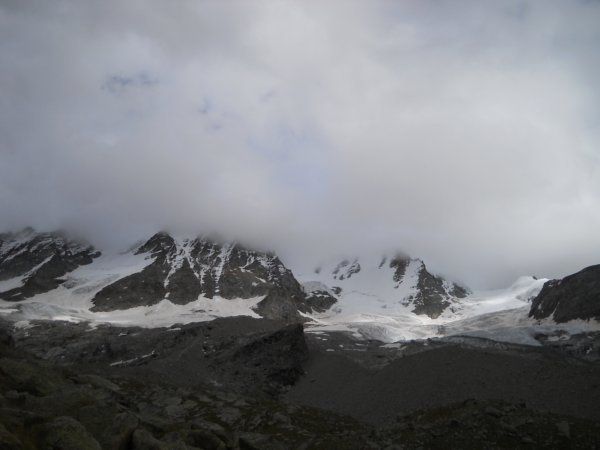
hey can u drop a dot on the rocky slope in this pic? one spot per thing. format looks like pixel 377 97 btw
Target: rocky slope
pixel 183 269
pixel 241 383
pixel 32 263
pixel 576 296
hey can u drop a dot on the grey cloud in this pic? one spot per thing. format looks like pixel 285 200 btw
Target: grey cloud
pixel 465 133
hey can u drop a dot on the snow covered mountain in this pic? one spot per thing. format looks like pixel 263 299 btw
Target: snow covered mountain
pixel 169 280
pixel 399 283
pixel 181 269
pixel 47 269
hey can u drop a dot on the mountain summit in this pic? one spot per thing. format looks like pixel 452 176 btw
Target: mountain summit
pixel 395 283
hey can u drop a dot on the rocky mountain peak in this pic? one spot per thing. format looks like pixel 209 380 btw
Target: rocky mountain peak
pixel 159 243
pixel 394 280
pixel 182 269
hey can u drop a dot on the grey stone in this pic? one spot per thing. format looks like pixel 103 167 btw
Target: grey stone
pixel 65 433
pixel 563 429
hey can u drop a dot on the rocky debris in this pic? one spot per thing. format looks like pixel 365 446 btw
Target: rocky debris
pixel 44 406
pixel 563 429
pixel 255 355
pixel 40 260
pixel 470 425
pixel 371 381
pixel 49 403
pixel 576 296
pixel 270 361
pixel 585 346
pixel 64 433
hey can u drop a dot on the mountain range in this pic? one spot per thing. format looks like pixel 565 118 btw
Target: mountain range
pixel 182 269
pixel 166 279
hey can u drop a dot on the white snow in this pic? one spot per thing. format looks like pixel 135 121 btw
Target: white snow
pixel 72 300
pixel 500 315
pixel 224 257
pixel 83 283
pixel 182 254
pixel 162 314
pixel 372 290
pixel 11 283
pixel 17 282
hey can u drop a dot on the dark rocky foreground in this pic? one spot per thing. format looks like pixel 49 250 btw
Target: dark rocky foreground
pixel 248 384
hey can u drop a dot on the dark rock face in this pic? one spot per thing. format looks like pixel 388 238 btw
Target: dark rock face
pixel 142 288
pixel 183 285
pixel 433 295
pixel 40 259
pixel 431 298
pixel 574 297
pixel 280 305
pixel 183 270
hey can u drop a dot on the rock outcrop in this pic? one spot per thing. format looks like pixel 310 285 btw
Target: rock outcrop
pixel 576 296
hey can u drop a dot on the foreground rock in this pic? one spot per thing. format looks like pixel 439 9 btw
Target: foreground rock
pixel 249 355
pixel 78 398
pixel 46 406
pixel 574 297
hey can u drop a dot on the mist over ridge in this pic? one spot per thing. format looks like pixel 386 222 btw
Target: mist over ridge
pixel 466 135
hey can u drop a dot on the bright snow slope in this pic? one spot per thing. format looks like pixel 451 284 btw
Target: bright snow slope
pixel 372 305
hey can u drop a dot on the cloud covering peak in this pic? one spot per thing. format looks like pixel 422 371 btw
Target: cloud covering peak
pixel 464 133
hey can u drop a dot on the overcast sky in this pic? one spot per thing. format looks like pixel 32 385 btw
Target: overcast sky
pixel 463 132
